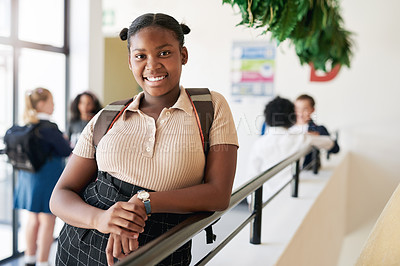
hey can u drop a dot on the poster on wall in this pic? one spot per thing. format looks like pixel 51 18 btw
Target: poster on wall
pixel 253 67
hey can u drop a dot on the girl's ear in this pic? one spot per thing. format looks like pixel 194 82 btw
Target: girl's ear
pixel 129 61
pixel 184 54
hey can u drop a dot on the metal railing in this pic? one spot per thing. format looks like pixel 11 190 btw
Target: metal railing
pixel 158 249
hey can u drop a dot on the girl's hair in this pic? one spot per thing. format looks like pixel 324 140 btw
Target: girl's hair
pixel 280 113
pixel 75 113
pixel 32 98
pixel 155 20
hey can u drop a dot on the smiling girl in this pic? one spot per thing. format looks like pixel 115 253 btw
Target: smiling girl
pixel 151 165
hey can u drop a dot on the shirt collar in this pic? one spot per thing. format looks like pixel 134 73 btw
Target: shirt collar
pixel 183 102
pixel 43 116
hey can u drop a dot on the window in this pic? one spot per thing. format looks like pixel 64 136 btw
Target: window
pixel 43 69
pixel 6 68
pixel 45 24
pixel 5 8
pixel 33 53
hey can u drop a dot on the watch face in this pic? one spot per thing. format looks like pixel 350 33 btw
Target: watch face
pixel 143 195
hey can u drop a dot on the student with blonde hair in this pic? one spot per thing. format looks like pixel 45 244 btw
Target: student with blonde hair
pixel 34 189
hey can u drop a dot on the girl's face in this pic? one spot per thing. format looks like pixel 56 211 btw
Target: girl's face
pixel 46 106
pixel 156 60
pixel 85 105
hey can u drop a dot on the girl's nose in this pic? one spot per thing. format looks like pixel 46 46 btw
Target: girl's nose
pixel 152 63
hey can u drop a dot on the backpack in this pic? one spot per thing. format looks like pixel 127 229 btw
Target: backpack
pixel 204 111
pixel 23 147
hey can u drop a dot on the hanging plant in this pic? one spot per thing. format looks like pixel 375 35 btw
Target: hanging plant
pixel 314 27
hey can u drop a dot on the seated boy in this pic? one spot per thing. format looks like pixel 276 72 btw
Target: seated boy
pixel 304 108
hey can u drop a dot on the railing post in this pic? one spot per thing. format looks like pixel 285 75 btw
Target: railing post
pixel 255 227
pixel 295 180
pixel 315 160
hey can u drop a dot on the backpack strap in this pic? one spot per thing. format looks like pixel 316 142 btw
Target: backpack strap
pixel 107 118
pixel 204 111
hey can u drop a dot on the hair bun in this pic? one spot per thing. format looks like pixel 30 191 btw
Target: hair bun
pixel 124 34
pixel 185 28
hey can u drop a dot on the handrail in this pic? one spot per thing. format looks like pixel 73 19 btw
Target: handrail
pixel 159 248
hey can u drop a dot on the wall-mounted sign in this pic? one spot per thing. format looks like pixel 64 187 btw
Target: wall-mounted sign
pixel 253 67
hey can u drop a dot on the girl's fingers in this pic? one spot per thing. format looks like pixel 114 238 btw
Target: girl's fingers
pixel 109 250
pixel 116 230
pixel 133 244
pixel 117 250
pixel 125 225
pixel 134 208
pixel 125 245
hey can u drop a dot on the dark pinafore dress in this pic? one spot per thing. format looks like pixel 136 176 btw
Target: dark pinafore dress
pixel 79 246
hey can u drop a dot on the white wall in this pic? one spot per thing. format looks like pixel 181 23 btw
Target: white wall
pixel 361 102
pixel 86 47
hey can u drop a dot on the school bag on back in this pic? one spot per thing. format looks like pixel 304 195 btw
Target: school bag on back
pixel 23 147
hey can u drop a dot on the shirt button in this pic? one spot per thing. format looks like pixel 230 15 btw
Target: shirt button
pixel 168 113
pixel 162 121
pixel 151 139
pixel 148 149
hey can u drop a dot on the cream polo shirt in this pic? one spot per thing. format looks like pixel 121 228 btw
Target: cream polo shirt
pixel 160 155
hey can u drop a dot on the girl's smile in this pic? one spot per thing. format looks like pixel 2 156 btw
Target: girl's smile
pixel 156 60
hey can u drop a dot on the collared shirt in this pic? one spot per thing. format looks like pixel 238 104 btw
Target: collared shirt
pixel 43 116
pixel 162 154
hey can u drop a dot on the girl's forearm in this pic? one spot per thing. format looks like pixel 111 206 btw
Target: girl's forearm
pixel 70 208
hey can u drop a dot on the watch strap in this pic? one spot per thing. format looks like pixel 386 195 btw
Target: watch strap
pixel 147 206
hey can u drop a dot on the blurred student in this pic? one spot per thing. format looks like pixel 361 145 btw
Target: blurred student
pixel 83 108
pixel 278 143
pixel 33 190
pixel 304 108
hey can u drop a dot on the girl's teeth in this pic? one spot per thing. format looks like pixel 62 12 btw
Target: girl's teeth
pixel 155 78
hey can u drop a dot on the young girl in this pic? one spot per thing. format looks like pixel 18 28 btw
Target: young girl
pixel 83 108
pixel 33 190
pixel 154 146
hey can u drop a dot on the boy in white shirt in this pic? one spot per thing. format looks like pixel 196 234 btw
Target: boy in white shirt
pixel 278 143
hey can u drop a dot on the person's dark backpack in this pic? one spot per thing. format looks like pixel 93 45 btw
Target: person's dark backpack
pixel 23 147
pixel 204 111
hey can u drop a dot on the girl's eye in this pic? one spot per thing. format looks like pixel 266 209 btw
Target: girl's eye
pixel 165 53
pixel 139 56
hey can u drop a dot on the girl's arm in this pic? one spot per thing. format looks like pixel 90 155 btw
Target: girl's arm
pixel 123 218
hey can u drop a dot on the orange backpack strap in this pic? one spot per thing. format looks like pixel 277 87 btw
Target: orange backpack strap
pixel 204 111
pixel 107 117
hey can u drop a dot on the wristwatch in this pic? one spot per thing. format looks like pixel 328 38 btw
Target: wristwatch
pixel 144 196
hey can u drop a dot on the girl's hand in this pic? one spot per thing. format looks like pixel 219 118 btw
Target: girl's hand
pixel 123 219
pixel 119 247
